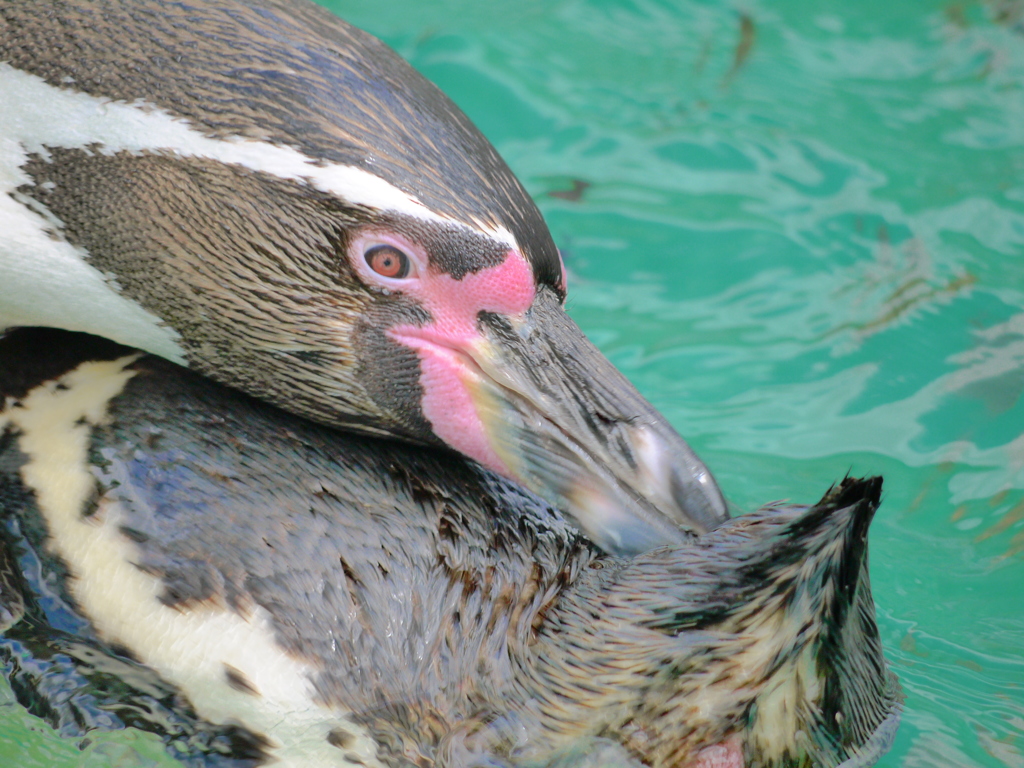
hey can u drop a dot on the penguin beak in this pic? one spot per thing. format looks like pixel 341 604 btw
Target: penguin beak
pixel 561 420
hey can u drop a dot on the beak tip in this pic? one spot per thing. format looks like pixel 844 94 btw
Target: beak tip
pixel 700 499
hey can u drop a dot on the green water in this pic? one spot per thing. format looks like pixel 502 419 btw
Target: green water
pixel 799 227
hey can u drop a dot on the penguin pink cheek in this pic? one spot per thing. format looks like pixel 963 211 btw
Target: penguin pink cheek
pixel 728 754
pixel 446 346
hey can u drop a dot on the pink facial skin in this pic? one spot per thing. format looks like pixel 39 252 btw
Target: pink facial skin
pixel 445 344
pixel 728 754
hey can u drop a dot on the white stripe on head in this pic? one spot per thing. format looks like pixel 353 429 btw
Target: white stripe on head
pixel 37 115
pixel 501 234
pixel 44 280
pixel 189 647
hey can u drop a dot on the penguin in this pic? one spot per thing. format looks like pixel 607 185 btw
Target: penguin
pixel 260 192
pixel 254 587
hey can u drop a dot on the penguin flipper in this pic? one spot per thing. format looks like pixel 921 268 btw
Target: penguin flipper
pixel 12 589
pixel 78 686
pixel 61 672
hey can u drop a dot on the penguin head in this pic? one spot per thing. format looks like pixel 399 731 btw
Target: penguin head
pixel 277 200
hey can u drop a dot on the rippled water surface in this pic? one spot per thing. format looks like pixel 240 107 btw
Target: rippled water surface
pixel 798 226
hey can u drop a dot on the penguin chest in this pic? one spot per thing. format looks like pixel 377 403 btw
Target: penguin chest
pixel 227 660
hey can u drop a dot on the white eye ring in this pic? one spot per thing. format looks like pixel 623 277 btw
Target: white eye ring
pixel 387 259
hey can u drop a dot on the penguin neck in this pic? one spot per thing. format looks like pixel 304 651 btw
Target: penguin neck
pixel 48 282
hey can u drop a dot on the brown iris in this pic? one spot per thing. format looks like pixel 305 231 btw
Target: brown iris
pixel 387 261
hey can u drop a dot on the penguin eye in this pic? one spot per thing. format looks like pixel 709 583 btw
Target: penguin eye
pixel 387 261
